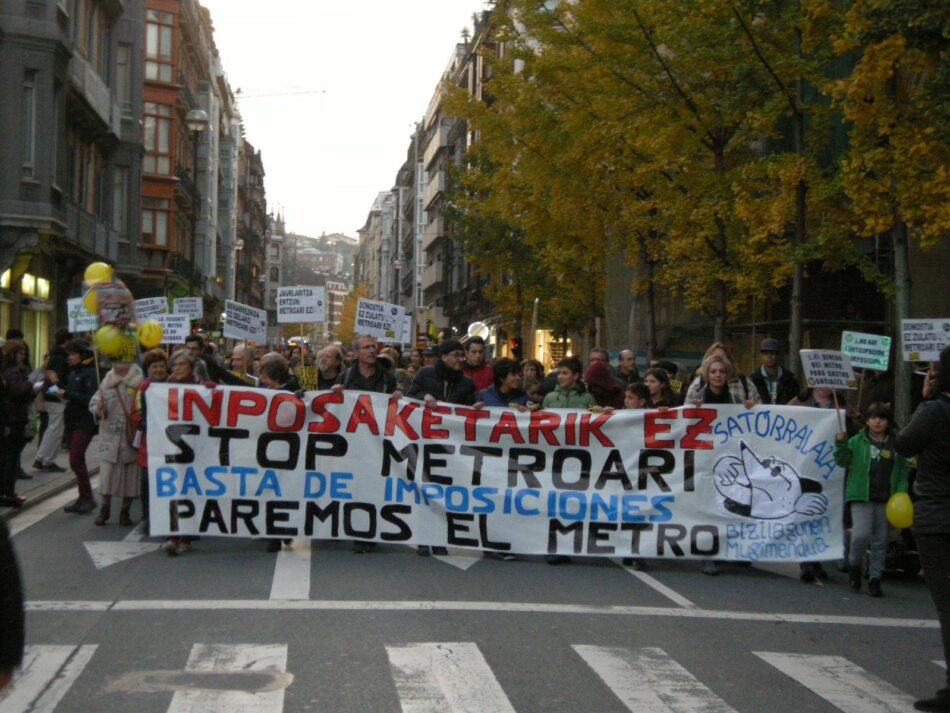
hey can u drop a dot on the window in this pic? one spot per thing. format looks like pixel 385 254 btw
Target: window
pixel 157 127
pixel 159 30
pixel 29 124
pixel 275 274
pixel 275 252
pixel 120 197
pixel 155 222
pixel 123 78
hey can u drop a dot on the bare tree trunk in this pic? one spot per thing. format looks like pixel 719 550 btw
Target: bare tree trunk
pixel 795 308
pixel 650 296
pixel 902 283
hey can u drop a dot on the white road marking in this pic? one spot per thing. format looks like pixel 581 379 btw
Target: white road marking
pixel 941 664
pixel 649 679
pixel 292 572
pixel 654 583
pixel 47 674
pixel 477 606
pixel 460 558
pixel 223 658
pixel 136 534
pixel 35 513
pixel 843 684
pixel 105 554
pixel 445 678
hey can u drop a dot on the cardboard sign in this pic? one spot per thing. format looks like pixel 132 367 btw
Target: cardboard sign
pixel 175 327
pixel 923 339
pixel 866 351
pixel 244 322
pixel 148 306
pixel 79 318
pixel 828 368
pixel 306 377
pixel 406 330
pixel 192 306
pixel 379 319
pixel 301 304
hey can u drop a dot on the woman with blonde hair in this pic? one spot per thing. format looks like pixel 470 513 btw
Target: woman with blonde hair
pixel 738 383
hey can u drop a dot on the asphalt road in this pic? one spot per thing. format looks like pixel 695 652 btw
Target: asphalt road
pixel 115 625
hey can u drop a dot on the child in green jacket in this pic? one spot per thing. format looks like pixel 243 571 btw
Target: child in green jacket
pixel 877 472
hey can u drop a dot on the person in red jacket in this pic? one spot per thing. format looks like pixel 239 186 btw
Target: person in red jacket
pixel 475 367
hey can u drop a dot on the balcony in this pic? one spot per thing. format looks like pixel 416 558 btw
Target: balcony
pixel 185 269
pixel 89 85
pixel 433 231
pixel 432 275
pixel 92 235
pixel 439 140
pixel 434 188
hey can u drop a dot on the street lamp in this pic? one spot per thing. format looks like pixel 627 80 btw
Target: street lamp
pixel 197 121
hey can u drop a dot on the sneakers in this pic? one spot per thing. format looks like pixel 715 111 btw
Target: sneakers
pixel 874 587
pixel 82 506
pixel 171 548
pixel 940 703
pixel 12 501
pixel 48 467
pixel 711 567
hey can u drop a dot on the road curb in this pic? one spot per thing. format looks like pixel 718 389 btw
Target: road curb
pixel 53 490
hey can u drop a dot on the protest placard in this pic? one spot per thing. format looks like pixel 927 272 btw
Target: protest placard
pixel 192 306
pixel 302 303
pixel 724 481
pixel 828 368
pixel 79 319
pixel 406 337
pixel 379 319
pixel 148 306
pixel 175 327
pixel 923 339
pixel 244 322
pixel 306 377
pixel 866 351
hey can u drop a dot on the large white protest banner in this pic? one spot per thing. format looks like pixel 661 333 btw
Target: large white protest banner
pixel 78 318
pixel 379 319
pixel 192 306
pixel 866 351
pixel 302 303
pixel 724 481
pixel 175 327
pixel 150 306
pixel 923 339
pixel 828 368
pixel 244 322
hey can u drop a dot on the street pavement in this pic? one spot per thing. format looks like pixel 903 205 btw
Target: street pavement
pixel 116 625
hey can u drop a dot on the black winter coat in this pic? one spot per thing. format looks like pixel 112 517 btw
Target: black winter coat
pixel 444 384
pixel 81 384
pixel 927 436
pixel 786 389
pixel 19 394
pixel 11 605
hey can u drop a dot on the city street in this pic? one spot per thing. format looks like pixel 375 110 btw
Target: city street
pixel 115 624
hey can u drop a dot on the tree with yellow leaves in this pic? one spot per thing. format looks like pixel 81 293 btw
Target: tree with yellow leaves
pixel 346 332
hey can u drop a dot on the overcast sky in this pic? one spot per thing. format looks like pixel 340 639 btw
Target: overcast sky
pixel 376 63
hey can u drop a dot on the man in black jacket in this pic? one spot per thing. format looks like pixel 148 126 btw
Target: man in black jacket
pixel 444 381
pixel 775 384
pixel 11 610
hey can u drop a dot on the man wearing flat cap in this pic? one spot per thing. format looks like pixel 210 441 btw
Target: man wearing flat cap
pixel 776 385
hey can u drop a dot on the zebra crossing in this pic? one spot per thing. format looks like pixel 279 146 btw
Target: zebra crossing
pixel 439 677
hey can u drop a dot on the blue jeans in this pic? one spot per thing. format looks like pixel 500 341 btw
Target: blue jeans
pixel 868 527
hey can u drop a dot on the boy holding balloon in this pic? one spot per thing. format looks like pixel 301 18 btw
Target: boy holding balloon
pixel 877 475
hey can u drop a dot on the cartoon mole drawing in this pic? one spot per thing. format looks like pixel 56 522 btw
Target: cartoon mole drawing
pixel 765 488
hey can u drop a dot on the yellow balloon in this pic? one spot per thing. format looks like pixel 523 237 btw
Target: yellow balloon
pixel 900 511
pixel 150 334
pixel 98 272
pixel 109 340
pixel 91 301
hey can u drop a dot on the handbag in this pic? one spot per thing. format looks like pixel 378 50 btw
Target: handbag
pixel 127 449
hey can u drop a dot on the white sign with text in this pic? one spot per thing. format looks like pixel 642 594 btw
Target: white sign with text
pixel 923 339
pixel 149 306
pixel 192 306
pixel 379 319
pixel 301 303
pixel 244 322
pixel 828 368
pixel 175 327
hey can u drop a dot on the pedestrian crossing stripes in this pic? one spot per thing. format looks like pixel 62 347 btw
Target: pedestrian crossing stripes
pixel 435 677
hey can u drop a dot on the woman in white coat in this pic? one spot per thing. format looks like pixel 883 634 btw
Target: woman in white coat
pixel 118 472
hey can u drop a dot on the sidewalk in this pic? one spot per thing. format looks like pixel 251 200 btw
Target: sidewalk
pixel 45 485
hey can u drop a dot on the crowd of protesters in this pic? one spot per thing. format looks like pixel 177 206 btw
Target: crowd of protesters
pixel 79 397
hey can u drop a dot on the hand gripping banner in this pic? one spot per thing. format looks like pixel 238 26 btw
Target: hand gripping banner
pixel 727 482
